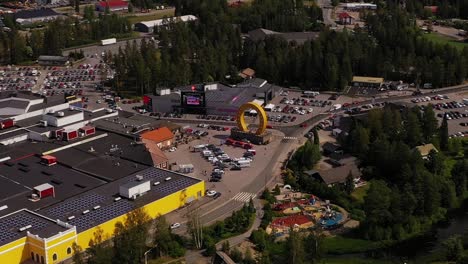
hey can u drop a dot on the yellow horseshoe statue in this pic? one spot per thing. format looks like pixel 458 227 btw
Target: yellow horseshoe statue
pixel 260 112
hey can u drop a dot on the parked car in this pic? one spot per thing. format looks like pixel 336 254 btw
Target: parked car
pixel 175 225
pixel 217 195
pixel 210 193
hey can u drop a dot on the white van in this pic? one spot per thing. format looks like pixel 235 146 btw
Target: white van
pixel 243 163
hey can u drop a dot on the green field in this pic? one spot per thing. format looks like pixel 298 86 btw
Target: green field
pixel 437 38
pixel 157 15
pixel 342 245
pixel 360 192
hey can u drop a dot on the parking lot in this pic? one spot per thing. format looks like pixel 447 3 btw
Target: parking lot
pixel 231 181
pixel 19 78
pixel 53 80
pixel 451 105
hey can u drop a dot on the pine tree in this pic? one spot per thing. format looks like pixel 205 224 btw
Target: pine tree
pixel 443 134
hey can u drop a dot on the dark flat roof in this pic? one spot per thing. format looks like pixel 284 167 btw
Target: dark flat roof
pixel 12 133
pixel 104 197
pixel 13 103
pixel 25 173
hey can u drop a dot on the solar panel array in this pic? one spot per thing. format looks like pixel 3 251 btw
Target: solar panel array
pixel 101 215
pixel 10 225
pixel 173 186
pixel 78 204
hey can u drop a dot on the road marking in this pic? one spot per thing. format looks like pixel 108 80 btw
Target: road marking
pixel 244 197
pixel 290 138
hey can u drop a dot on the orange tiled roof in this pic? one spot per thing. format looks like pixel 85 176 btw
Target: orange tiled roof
pixel 158 135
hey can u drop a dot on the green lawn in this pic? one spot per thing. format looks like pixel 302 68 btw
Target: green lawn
pixel 158 15
pixel 360 192
pixel 437 38
pixel 342 245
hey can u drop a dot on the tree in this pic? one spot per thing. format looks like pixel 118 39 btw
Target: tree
pixel 429 123
pixel 453 248
pixel 98 251
pixel 162 235
pixel 77 254
pixel 195 228
pixel 130 237
pixel 413 130
pixel 349 184
pixel 295 248
pixel 315 247
pixel 130 7
pixel 276 190
pixel 249 259
pixel 77 6
pixel 316 137
pixel 443 134
pixel 225 246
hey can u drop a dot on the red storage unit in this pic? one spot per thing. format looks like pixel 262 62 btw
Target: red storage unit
pixel 48 160
pixel 4 124
pixel 44 190
pixel 88 130
pixel 57 133
pixel 69 135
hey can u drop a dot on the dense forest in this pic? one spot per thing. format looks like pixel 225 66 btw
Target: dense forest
pixel 17 47
pixel 390 46
pixel 407 193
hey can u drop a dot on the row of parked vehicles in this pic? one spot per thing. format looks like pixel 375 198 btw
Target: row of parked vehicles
pixel 449 105
pixel 282 118
pixel 214 117
pixel 453 115
pixel 305 102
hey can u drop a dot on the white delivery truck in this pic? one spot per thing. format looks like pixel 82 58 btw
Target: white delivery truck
pixel 243 163
pixel 110 41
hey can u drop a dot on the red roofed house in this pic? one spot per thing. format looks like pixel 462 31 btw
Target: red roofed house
pixel 161 137
pixel 345 18
pixel 114 5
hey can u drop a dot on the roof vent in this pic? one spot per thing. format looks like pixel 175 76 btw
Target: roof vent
pixel 117 199
pixel 61 114
pixel 85 212
pixel 156 183
pixel 139 177
pixel 96 207
pixel 168 178
pixel 25 228
pixel 71 217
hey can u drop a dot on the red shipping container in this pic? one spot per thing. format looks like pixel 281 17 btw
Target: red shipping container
pixel 70 135
pixel 44 190
pixel 7 123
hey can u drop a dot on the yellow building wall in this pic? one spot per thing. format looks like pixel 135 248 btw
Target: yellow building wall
pixel 17 253
pixel 59 246
pixel 21 249
pixel 154 209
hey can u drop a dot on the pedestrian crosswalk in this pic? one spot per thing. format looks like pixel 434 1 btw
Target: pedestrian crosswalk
pixel 244 197
pixel 289 138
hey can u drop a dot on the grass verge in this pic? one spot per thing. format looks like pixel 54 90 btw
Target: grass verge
pixel 158 15
pixel 341 245
pixel 440 39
